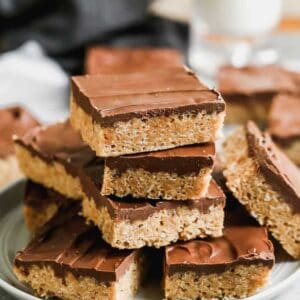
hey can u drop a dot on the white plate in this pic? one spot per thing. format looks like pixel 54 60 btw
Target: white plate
pixel 14 236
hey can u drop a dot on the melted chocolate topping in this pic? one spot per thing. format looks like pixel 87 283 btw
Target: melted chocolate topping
pixel 216 255
pixel 112 98
pixel 182 160
pixel 59 142
pixel 255 80
pixel 275 166
pixel 285 119
pixel 68 244
pixel 14 120
pixel 106 60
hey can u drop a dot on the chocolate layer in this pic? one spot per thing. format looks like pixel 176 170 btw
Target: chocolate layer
pixel 68 244
pixel 107 60
pixel 277 169
pixel 255 80
pixel 38 196
pixel 58 142
pixel 284 122
pixel 140 209
pixel 13 120
pixel 182 160
pixel 244 243
pixel 112 98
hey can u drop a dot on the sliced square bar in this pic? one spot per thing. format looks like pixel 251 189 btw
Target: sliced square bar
pixel 41 205
pixel 69 260
pixel 263 179
pixel 182 173
pixel 233 266
pixel 143 112
pixel 284 125
pixel 13 120
pixel 135 223
pixel 53 156
pixel 248 91
pixel 105 60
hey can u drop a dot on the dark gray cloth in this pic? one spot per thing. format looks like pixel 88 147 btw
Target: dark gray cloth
pixel 65 28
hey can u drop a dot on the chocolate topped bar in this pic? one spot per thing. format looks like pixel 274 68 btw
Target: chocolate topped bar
pixel 107 60
pixel 255 80
pixel 278 170
pixel 215 255
pixel 68 244
pixel 284 120
pixel 14 120
pixel 58 142
pixel 139 209
pixel 181 160
pixel 112 98
pixel 218 254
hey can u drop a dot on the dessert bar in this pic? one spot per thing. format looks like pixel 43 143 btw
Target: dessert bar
pixel 53 156
pixel 248 91
pixel 134 223
pixel 143 112
pixel 263 179
pixel 182 173
pixel 69 260
pixel 235 265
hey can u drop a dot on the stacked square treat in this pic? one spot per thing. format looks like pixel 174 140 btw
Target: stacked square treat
pixel 132 169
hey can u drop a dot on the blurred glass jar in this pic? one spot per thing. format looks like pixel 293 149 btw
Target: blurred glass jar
pixel 231 32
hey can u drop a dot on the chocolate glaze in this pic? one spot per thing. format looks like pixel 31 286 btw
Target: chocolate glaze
pixel 37 196
pixel 140 209
pixel 216 255
pixel 277 169
pixel 107 60
pixel 251 80
pixel 284 123
pixel 182 160
pixel 68 244
pixel 13 120
pixel 112 98
pixel 58 142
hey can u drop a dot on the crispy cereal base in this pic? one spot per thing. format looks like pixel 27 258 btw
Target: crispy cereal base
pixel 140 183
pixel 159 229
pixel 147 133
pixel 237 282
pixel 250 187
pixel 52 175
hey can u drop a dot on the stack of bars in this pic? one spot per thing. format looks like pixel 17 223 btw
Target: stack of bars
pixel 132 169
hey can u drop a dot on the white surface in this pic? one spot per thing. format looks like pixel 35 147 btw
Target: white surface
pixel 30 78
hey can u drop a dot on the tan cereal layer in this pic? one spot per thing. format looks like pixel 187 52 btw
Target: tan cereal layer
pixel 239 112
pixel 46 284
pixel 237 282
pixel 293 151
pixel 159 229
pixel 52 175
pixel 9 170
pixel 146 134
pixel 160 185
pixel 37 217
pixel 250 187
